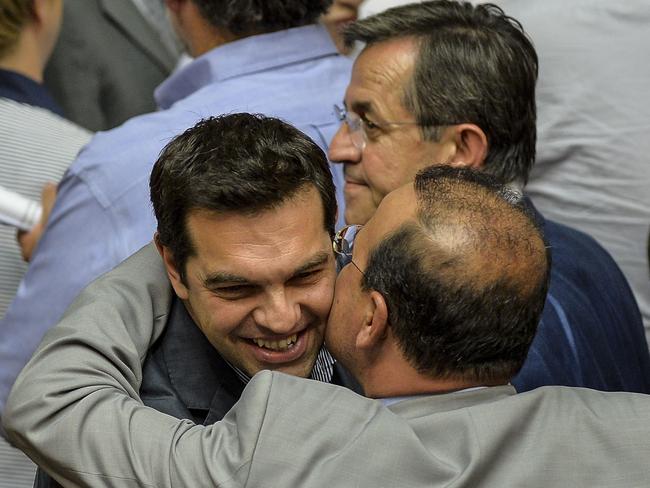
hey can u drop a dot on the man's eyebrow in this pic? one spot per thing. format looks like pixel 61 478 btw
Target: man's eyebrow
pixel 360 107
pixel 219 278
pixel 316 260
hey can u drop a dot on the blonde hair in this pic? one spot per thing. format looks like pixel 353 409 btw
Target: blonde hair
pixel 14 14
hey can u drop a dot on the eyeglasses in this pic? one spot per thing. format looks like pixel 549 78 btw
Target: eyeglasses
pixel 357 126
pixel 343 244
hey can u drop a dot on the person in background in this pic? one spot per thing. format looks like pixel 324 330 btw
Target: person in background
pixel 444 82
pixel 593 107
pixel 109 59
pixel 36 147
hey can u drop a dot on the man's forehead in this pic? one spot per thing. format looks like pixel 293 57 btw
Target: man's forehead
pixel 380 69
pixel 397 208
pixel 298 221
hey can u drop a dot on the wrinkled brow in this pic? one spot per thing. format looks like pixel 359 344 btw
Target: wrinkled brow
pixel 220 277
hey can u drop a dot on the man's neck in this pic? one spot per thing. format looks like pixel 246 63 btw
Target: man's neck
pixel 396 377
pixel 26 58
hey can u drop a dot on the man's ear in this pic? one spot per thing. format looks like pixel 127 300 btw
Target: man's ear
pixel 471 146
pixel 39 11
pixel 171 268
pixel 174 5
pixel 374 330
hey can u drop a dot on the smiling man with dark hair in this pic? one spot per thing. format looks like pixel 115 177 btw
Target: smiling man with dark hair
pixel 265 56
pixel 246 208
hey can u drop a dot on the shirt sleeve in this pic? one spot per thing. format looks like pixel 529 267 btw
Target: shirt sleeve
pixel 72 252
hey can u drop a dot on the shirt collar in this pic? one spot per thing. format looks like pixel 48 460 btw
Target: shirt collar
pixel 444 402
pixel 391 400
pixel 238 58
pixel 20 88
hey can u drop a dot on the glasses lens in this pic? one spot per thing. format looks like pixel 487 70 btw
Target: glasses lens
pixel 356 130
pixel 355 126
pixel 340 113
pixel 344 243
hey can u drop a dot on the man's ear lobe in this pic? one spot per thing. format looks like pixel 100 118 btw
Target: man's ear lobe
pixel 471 146
pixel 173 5
pixel 38 11
pixel 374 330
pixel 172 270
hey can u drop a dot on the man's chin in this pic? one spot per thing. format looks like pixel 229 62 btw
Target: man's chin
pixel 356 215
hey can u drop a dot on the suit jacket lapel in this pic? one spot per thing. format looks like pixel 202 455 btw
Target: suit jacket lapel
pixel 129 20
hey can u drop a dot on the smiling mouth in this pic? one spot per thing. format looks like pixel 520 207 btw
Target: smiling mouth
pixel 354 182
pixel 279 345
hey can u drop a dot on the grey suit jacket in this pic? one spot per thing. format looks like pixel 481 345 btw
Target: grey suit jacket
pixel 292 432
pixel 75 410
pixel 106 64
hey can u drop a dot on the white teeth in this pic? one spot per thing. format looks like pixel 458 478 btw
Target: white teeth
pixel 281 345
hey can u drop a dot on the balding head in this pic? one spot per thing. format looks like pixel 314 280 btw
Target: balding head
pixel 464 277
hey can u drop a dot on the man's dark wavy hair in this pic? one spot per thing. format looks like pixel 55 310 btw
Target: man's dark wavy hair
pixel 258 16
pixel 234 163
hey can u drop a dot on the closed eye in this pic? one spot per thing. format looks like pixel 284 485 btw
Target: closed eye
pixel 307 276
pixel 368 123
pixel 234 292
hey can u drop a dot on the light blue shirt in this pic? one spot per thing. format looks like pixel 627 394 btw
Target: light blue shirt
pixel 103 214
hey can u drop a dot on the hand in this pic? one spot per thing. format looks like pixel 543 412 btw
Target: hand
pixel 27 240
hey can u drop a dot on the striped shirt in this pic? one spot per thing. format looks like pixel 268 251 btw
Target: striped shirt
pixel 36 146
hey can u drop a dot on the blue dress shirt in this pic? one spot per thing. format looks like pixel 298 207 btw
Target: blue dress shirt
pixel 102 213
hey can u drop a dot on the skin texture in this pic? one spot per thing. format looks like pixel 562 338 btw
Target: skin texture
pixel 393 154
pixel 266 276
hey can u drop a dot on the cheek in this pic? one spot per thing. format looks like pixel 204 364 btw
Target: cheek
pixel 218 318
pixel 385 168
pixel 321 296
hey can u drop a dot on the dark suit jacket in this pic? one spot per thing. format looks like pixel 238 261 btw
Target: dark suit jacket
pixel 106 64
pixel 591 333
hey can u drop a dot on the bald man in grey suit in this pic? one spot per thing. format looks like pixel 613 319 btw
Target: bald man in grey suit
pixel 433 313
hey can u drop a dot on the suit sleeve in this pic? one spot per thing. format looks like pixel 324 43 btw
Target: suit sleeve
pixel 71 253
pixel 75 408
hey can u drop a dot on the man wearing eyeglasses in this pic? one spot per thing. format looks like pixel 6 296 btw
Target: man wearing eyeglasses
pixel 433 335
pixel 452 83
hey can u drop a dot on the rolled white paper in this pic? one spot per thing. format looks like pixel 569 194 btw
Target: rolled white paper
pixel 18 211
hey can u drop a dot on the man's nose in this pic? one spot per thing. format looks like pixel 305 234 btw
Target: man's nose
pixel 342 149
pixel 279 313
